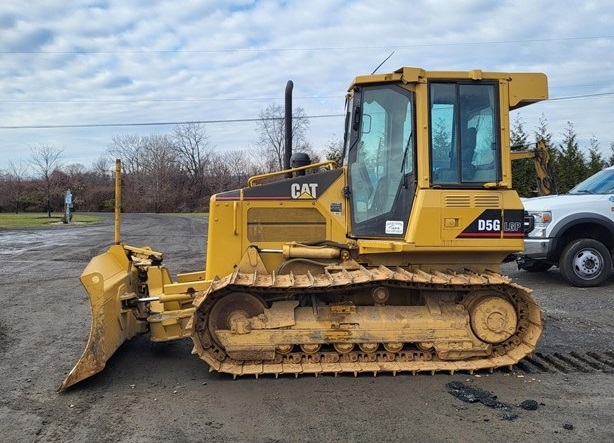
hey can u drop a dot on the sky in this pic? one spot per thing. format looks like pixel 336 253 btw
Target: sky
pixel 75 74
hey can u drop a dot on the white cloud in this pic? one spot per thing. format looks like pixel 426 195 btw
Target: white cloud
pixel 100 62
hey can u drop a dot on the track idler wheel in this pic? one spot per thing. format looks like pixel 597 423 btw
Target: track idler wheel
pixel 493 317
pixel 232 312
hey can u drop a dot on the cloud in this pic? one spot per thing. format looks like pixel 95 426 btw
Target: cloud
pixel 24 37
pixel 101 62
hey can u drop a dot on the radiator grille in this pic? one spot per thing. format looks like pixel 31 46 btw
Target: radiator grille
pixel 285 224
pixel 472 201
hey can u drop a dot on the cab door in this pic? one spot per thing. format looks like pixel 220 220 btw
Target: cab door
pixel 381 161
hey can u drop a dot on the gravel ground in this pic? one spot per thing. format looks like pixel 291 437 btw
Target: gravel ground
pixel 160 392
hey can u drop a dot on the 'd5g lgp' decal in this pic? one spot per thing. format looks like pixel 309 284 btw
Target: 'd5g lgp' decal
pixel 496 223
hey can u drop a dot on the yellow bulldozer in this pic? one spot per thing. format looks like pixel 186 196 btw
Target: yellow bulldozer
pixel 389 262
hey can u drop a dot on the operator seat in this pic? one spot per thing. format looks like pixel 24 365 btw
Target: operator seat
pixel 386 192
pixel 468 140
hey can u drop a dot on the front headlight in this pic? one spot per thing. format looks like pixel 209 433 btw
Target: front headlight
pixel 542 220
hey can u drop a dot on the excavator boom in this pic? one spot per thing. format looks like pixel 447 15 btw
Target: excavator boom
pixel 545 184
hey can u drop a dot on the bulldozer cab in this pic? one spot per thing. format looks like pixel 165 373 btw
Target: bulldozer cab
pixel 382 150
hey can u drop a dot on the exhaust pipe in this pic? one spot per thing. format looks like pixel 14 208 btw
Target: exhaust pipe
pixel 288 124
pixel 118 201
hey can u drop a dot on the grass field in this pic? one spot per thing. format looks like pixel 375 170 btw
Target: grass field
pixel 35 220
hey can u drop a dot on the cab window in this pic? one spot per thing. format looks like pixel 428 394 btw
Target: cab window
pixel 464 142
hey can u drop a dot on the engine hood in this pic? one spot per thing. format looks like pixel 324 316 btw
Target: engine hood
pixel 549 202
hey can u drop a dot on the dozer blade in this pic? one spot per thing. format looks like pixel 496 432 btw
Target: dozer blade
pixel 105 279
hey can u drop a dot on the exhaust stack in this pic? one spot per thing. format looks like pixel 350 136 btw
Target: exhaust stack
pixel 288 124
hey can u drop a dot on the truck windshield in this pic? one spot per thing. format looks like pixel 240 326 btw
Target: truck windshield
pixel 600 183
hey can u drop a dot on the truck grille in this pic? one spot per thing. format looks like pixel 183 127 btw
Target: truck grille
pixel 528 223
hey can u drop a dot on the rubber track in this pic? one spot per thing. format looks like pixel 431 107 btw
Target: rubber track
pixel 506 354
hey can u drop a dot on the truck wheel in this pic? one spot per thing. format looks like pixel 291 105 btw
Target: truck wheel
pixel 585 263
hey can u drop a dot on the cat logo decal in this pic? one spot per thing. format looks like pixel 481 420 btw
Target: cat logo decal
pixel 303 190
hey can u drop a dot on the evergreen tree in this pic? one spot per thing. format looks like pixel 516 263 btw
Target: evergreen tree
pixel 570 166
pixel 523 171
pixel 543 133
pixel 595 160
pixel 441 142
pixel 611 159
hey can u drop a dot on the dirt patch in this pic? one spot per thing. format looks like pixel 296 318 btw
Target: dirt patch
pixel 4 339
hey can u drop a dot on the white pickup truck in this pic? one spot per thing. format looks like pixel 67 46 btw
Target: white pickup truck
pixel 574 231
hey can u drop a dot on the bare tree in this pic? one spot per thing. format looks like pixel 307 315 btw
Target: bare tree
pixel 194 151
pixel 314 156
pixel 128 148
pixel 228 170
pixel 45 158
pixel 159 160
pixel 101 168
pixel 6 192
pixel 334 150
pixel 271 134
pixel 241 168
pixel 16 174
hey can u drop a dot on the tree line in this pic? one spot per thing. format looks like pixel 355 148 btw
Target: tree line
pixel 172 172
pixel 160 172
pixel 179 171
pixel 570 163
